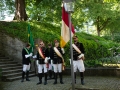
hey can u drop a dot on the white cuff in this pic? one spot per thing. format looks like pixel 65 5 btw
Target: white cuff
pixel 81 55
pixel 63 51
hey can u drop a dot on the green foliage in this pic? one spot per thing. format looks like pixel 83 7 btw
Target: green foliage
pixel 44 31
pixel 95 47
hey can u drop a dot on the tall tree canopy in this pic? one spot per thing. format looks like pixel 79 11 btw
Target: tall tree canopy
pixel 101 12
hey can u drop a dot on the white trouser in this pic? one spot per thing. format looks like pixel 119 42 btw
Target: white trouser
pixel 26 67
pixel 50 67
pixel 57 67
pixel 79 64
pixel 42 66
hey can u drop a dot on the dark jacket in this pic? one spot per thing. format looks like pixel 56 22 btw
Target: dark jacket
pixel 56 59
pixel 75 53
pixel 25 60
pixel 47 53
pixel 39 58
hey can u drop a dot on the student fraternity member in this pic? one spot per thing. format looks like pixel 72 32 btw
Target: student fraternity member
pixel 26 62
pixel 78 58
pixel 41 64
pixel 49 61
pixel 56 56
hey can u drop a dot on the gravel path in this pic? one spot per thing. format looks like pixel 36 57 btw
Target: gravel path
pixel 101 83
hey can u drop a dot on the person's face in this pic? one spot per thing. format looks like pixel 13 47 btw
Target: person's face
pixel 49 46
pixel 75 39
pixel 41 44
pixel 28 47
pixel 56 44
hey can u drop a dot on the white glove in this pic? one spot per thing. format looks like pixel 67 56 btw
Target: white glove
pixel 35 56
pixel 37 62
pixel 51 62
pixel 81 55
pixel 26 56
pixel 30 54
pixel 70 61
pixel 63 51
pixel 46 60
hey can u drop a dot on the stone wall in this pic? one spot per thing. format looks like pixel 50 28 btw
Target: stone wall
pixel 12 47
pixel 97 72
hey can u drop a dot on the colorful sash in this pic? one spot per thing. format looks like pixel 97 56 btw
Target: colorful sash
pixel 60 55
pixel 41 53
pixel 26 50
pixel 76 48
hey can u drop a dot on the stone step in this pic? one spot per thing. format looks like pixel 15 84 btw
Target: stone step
pixel 11 71
pixel 15 74
pixel 5 58
pixel 2 55
pixel 8 65
pixel 17 77
pixel 11 68
pixel 12 75
pixel 7 62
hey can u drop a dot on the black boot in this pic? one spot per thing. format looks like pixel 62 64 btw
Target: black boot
pixel 27 76
pixel 40 78
pixel 55 79
pixel 50 74
pixel 82 78
pixel 60 75
pixel 53 75
pixel 45 79
pixel 75 76
pixel 23 75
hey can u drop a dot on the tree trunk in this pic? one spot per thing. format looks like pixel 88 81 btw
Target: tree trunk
pixel 98 26
pixel 20 13
pixel 98 30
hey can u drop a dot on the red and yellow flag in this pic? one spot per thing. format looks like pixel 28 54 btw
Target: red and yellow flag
pixel 65 32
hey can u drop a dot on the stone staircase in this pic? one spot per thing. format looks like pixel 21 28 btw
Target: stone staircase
pixel 11 70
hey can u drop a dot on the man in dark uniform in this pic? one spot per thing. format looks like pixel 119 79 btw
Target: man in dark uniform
pixel 57 61
pixel 26 62
pixel 78 58
pixel 41 64
pixel 47 54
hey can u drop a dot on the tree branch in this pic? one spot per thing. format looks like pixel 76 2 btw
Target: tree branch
pixel 104 24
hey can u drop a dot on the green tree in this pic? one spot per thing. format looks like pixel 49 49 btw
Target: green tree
pixel 100 12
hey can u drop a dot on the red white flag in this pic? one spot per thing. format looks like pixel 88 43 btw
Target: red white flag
pixel 65 32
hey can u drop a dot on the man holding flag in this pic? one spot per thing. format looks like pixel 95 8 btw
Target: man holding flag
pixel 27 53
pixel 77 48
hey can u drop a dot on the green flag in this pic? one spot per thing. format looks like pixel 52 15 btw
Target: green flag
pixel 30 39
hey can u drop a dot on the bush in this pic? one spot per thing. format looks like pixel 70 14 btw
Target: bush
pixel 95 47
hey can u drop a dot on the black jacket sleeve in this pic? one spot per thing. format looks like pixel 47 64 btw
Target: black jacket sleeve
pixel 52 53
pixel 82 48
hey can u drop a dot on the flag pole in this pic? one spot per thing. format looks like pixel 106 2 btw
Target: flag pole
pixel 71 52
